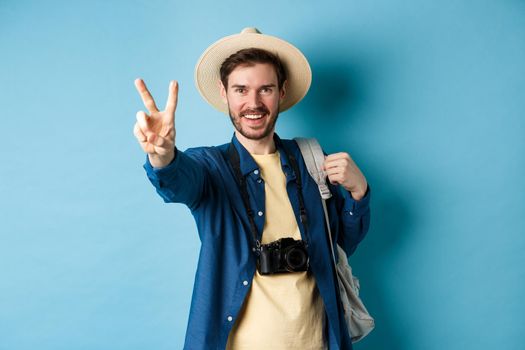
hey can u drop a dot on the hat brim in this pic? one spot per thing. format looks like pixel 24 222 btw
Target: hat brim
pixel 207 70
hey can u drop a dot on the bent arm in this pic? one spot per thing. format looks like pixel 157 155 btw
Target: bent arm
pixel 355 221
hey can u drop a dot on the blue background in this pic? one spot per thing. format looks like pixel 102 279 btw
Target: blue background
pixel 427 97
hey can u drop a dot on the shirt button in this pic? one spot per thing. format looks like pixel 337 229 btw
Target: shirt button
pixel 256 171
pixel 230 318
pixel 259 181
pixel 260 213
pixel 245 283
pixel 350 213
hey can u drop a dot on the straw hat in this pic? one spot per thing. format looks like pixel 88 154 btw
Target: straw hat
pixel 208 66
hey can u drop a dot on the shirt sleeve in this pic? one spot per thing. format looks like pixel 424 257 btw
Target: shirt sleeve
pixel 355 221
pixel 181 181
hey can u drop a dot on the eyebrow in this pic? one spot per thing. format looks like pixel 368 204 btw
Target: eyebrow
pixel 262 87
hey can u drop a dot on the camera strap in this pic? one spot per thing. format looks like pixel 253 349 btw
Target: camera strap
pixel 241 183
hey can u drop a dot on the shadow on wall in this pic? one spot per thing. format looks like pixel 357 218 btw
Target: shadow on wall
pixel 340 94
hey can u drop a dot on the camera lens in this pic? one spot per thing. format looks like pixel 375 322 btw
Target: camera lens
pixel 296 259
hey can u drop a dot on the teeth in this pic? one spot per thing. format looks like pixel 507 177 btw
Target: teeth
pixel 253 116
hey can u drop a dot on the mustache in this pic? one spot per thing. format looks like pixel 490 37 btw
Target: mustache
pixel 259 110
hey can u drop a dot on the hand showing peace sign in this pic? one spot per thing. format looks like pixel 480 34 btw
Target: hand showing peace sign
pixel 156 131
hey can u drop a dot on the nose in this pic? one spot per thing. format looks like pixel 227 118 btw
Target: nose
pixel 253 99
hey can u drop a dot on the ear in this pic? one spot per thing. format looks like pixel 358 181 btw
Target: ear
pixel 282 93
pixel 223 92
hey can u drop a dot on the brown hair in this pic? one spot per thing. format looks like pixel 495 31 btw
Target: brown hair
pixel 249 57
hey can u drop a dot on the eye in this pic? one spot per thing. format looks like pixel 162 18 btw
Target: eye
pixel 266 90
pixel 240 90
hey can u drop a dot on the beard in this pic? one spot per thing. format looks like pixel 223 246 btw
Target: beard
pixel 254 134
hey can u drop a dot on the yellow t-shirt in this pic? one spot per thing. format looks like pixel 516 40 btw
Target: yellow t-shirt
pixel 281 311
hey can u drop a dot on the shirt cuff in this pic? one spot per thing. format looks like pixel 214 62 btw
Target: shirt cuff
pixel 156 175
pixel 354 207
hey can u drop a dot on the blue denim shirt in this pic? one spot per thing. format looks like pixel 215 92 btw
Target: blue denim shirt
pixel 203 179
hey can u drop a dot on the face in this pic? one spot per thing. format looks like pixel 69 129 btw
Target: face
pixel 253 100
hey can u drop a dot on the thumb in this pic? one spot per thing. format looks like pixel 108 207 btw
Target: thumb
pixel 143 119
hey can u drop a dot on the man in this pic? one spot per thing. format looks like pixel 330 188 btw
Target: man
pixel 265 278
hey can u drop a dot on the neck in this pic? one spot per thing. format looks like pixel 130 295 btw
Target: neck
pixel 262 146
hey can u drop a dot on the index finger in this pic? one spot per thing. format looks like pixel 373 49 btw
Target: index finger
pixel 336 159
pixel 336 156
pixel 146 96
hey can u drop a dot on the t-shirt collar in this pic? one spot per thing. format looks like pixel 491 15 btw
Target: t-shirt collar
pixel 248 164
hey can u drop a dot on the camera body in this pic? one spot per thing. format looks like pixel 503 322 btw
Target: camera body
pixel 283 255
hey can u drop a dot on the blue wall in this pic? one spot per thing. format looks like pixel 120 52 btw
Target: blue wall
pixel 427 96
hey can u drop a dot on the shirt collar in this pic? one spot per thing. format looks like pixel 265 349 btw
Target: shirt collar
pixel 247 162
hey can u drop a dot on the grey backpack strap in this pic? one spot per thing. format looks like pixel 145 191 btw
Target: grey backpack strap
pixel 314 158
pixel 358 320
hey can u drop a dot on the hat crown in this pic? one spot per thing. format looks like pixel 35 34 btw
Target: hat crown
pixel 250 30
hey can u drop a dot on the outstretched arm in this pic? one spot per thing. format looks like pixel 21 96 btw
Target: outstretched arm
pixel 176 176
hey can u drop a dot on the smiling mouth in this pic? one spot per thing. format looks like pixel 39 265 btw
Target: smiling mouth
pixel 253 116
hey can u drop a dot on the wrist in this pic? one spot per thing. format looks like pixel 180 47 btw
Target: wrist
pixel 358 193
pixel 158 161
